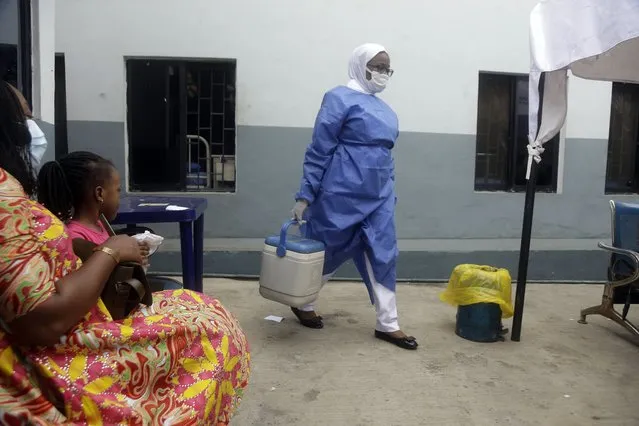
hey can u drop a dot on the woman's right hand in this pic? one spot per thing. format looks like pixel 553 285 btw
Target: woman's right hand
pixel 128 248
pixel 75 294
pixel 298 210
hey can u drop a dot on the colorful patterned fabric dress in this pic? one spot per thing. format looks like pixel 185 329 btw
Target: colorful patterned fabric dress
pixel 182 361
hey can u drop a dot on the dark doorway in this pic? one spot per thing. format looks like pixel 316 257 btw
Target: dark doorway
pixel 61 137
pixel 15 45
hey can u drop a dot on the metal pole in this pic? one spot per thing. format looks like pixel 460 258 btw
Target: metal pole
pixel 524 252
pixel 526 231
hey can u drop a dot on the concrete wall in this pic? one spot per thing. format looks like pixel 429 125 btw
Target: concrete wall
pixel 289 52
pixel 287 61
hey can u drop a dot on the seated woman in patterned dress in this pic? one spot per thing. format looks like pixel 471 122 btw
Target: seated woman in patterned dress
pixel 63 359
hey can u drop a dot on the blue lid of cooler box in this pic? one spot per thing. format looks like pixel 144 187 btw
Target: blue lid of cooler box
pixel 296 244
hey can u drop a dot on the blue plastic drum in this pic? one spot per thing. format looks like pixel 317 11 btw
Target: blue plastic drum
pixel 480 322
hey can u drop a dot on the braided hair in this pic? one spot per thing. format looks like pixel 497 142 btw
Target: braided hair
pixel 15 140
pixel 64 185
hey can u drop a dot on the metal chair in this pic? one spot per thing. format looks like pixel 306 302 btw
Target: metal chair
pixel 623 271
pixel 194 177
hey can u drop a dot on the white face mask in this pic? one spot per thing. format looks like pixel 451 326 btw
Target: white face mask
pixel 38 143
pixel 379 80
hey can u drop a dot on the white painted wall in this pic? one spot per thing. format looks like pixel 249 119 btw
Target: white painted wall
pixel 43 59
pixel 289 52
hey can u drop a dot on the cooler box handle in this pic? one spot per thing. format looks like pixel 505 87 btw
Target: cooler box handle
pixel 281 247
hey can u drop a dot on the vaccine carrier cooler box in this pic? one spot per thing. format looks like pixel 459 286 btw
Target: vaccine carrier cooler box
pixel 292 267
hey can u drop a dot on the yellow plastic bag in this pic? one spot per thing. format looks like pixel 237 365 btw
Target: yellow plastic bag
pixel 470 284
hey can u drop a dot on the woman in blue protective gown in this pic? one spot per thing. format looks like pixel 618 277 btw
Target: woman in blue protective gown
pixel 347 194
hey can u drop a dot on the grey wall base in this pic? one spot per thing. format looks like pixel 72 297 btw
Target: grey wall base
pixel 437 204
pixel 435 186
pixel 427 266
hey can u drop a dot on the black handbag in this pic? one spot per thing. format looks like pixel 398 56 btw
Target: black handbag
pixel 126 287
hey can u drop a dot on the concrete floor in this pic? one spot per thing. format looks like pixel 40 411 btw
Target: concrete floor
pixel 561 373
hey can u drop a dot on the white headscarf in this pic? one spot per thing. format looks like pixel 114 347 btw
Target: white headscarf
pixel 357 67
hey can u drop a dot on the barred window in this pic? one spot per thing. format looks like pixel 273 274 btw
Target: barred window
pixel 502 136
pixel 622 170
pixel 181 125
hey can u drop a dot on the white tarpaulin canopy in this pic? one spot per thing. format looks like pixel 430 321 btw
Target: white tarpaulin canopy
pixel 594 39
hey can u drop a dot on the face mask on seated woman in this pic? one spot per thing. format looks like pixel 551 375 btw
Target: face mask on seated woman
pixel 38 145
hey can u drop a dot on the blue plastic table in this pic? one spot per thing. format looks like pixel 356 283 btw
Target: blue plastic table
pixel 150 209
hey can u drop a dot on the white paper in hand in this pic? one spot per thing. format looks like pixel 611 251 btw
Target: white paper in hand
pixel 152 240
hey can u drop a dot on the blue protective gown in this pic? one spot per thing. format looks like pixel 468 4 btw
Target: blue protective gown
pixel 349 182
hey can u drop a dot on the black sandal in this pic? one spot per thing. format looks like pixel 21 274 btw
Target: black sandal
pixel 408 342
pixel 315 322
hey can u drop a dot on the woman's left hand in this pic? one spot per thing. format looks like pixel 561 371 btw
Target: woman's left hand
pixel 145 252
pixel 144 249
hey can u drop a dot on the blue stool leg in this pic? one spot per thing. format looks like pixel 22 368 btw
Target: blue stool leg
pixel 188 265
pixel 198 248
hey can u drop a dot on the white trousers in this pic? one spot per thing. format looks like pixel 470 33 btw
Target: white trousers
pixel 385 302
